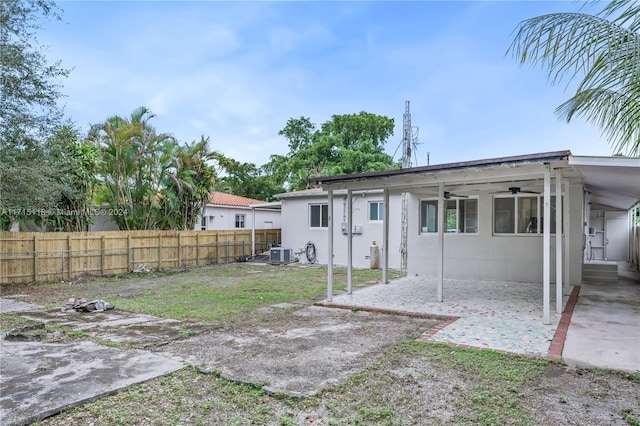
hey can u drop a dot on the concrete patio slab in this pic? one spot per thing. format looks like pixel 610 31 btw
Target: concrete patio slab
pixel 11 305
pixel 39 379
pixel 135 330
pixel 604 331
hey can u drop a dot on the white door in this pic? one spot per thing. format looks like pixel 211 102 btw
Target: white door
pixel 616 234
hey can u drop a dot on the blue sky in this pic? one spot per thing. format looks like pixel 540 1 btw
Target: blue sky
pixel 237 71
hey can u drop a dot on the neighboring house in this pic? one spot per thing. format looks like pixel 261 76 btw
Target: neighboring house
pixel 480 219
pixel 227 211
pixel 222 212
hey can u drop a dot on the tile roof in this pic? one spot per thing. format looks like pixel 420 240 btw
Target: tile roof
pixel 224 199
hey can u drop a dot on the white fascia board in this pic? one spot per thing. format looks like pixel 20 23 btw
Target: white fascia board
pixel 269 206
pixel 323 193
pixel 465 176
pixel 604 161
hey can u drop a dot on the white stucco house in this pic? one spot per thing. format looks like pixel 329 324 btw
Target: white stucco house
pixel 232 212
pixel 305 221
pixel 482 219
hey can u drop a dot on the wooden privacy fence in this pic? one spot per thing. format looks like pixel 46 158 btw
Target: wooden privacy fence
pixel 46 256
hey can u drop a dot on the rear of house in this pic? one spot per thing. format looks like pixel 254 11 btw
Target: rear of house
pixel 482 219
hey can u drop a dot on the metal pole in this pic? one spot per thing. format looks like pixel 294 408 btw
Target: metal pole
pixel 349 241
pixel 385 238
pixel 559 260
pixel 330 242
pixel 440 223
pixel 546 249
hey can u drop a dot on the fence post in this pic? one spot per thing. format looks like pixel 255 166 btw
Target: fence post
pixel 159 250
pixel 179 249
pixel 35 258
pixel 102 255
pixel 197 249
pixel 62 266
pixel 217 248
pixel 69 257
pixel 129 258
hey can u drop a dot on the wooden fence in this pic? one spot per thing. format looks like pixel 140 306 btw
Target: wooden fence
pixel 46 256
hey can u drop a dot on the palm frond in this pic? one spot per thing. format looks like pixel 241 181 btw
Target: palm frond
pixel 616 113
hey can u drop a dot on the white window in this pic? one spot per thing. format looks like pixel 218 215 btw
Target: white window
pixel 461 216
pixel 240 220
pixel 521 215
pixel 318 215
pixel 203 223
pixel 376 211
pixel 429 216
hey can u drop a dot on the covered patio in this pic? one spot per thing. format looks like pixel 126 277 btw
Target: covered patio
pixel 471 270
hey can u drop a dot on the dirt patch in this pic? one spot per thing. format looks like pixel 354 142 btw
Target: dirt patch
pixel 576 396
pixel 300 353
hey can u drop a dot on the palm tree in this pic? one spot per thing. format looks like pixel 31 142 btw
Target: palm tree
pixel 604 51
pixel 135 162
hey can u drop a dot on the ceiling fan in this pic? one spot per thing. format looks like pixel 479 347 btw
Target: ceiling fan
pixel 514 190
pixel 449 195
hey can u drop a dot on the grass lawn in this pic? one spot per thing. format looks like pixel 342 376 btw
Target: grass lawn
pixel 411 384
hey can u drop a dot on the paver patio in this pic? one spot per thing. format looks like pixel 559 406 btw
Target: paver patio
pixel 504 316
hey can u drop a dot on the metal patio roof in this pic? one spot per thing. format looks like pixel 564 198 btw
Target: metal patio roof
pixel 612 181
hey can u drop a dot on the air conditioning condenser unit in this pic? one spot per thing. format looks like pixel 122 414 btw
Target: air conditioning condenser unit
pixel 281 255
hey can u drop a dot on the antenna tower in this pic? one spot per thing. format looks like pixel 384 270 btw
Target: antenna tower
pixel 407 143
pixel 407 138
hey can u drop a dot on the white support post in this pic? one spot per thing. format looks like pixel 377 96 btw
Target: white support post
pixel 349 241
pixel 253 233
pixel 385 238
pixel 440 223
pixel 566 231
pixel 330 254
pixel 546 247
pixel 559 260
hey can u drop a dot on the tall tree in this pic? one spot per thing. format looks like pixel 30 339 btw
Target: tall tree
pixel 603 52
pixel 29 91
pixel 246 180
pixel 350 143
pixel 187 186
pixel 76 163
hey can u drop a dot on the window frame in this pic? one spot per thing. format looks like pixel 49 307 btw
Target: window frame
pixel 517 210
pixel 422 229
pixel 204 222
pixel 324 208
pixel 380 211
pixel 242 221
pixel 457 214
